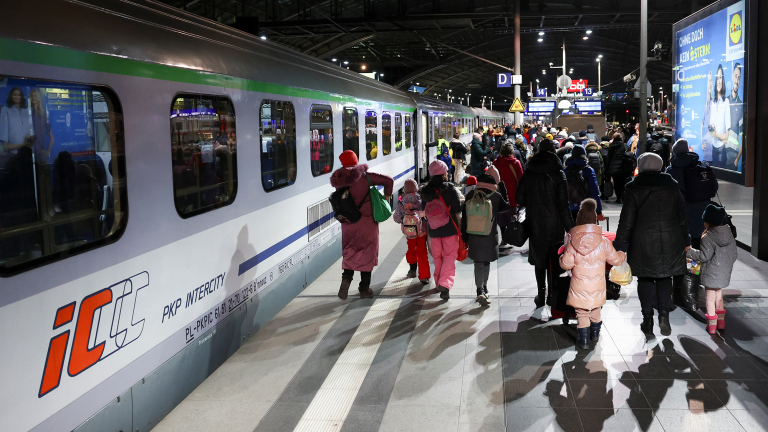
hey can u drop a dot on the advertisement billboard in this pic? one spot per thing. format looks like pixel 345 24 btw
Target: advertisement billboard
pixel 710 75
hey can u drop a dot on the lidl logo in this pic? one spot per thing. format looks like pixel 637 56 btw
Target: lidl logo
pixel 106 323
pixel 734 30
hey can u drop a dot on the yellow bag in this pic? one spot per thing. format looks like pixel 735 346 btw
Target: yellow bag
pixel 621 274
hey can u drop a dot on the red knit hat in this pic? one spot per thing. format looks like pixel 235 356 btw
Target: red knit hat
pixel 471 180
pixel 348 158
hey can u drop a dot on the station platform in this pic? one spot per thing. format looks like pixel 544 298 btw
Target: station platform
pixel 408 361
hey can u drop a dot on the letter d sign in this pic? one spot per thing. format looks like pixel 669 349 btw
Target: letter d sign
pixel 503 80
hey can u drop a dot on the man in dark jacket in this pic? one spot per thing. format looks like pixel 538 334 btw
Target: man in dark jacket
pixel 653 232
pixel 479 153
pixel 615 166
pixel 459 150
pixel 543 192
pixel 683 159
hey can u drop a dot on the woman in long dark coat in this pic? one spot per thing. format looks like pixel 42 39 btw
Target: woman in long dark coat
pixel 654 233
pixel 543 192
pixel 359 240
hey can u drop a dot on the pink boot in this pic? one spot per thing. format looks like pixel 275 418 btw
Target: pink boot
pixel 711 324
pixel 720 319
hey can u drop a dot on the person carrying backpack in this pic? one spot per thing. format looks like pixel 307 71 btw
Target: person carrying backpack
pixel 586 255
pixel 359 240
pixel 659 144
pixel 479 227
pixel 595 160
pixel 582 182
pixel 718 254
pixel 479 153
pixel 415 230
pixel 441 210
pixel 615 164
pixel 459 154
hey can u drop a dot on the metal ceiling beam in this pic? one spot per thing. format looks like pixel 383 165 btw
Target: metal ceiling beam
pixel 344 45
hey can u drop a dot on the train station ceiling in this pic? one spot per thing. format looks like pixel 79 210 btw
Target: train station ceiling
pixel 456 47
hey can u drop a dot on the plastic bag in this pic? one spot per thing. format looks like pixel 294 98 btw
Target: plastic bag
pixel 621 274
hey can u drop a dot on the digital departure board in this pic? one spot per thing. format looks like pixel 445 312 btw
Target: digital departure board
pixel 540 107
pixel 589 106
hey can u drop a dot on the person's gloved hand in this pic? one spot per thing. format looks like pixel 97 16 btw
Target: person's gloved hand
pixel 600 217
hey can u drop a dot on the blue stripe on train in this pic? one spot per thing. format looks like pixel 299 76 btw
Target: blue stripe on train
pixel 284 243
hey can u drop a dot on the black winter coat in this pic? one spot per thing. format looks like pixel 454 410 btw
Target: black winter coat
pixel 693 210
pixel 459 150
pixel 665 151
pixel 652 228
pixel 478 157
pixel 543 192
pixel 616 157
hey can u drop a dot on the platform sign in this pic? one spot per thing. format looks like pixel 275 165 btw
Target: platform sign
pixel 517 106
pixel 504 80
pixel 587 91
pixel 710 53
pixel 541 92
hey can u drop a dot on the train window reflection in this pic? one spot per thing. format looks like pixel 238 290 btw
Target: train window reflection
pixel 351 131
pixel 398 132
pixel 386 133
pixel 371 134
pixel 278 144
pixel 204 153
pixel 321 139
pixel 62 171
pixel 407 131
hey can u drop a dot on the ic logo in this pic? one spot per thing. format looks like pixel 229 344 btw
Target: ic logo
pixel 106 323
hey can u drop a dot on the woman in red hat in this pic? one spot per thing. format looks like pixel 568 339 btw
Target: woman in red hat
pixel 359 240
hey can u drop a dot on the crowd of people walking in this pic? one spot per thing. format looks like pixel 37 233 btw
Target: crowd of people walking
pixel 561 180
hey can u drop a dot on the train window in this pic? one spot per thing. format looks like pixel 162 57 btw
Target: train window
pixel 203 150
pixel 371 134
pixel 386 133
pixel 62 171
pixel 407 131
pixel 398 132
pixel 278 144
pixel 321 139
pixel 351 131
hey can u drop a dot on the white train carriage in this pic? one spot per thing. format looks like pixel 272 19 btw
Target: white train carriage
pixel 163 194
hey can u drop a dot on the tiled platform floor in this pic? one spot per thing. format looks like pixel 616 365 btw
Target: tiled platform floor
pixel 408 361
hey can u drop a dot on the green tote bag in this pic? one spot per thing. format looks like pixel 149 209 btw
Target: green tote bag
pixel 379 204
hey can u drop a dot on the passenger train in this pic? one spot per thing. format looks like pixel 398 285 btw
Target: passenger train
pixel 164 184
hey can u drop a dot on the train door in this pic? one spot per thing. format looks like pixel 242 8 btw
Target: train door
pixel 425 131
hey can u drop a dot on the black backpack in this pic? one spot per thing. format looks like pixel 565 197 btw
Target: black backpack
pixel 578 189
pixel 595 162
pixel 628 162
pixel 700 182
pixel 657 147
pixel 345 209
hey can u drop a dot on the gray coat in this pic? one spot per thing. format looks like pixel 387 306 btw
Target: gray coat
pixel 717 255
pixel 484 248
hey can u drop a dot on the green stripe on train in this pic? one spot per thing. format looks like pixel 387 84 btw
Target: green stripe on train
pixel 28 52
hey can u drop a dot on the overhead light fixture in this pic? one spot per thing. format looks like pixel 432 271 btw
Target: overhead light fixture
pixel 541 40
pixel 362 67
pixel 333 59
pixel 589 31
pixel 541 33
pixel 450 91
pixel 597 59
pixel 346 62
pixel 600 56
pixel 543 71
pixel 262 37
pixel 381 75
pixel 585 37
pixel 537 80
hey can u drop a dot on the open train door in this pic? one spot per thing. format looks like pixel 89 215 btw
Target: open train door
pixel 423 149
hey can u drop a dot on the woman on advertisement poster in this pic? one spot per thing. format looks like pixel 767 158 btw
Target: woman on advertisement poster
pixel 42 128
pixel 720 121
pixel 707 139
pixel 737 115
pixel 14 125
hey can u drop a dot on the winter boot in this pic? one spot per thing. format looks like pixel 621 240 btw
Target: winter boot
pixel 346 281
pixel 424 281
pixel 540 297
pixel 412 271
pixel 443 292
pixel 647 325
pixel 664 326
pixel 594 331
pixel 482 297
pixel 711 323
pixel 583 340
pixel 365 290
pixel 720 319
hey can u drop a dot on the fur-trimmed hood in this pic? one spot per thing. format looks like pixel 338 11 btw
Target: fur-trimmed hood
pixel 345 177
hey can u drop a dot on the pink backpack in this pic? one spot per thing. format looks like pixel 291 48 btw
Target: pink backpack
pixel 436 212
